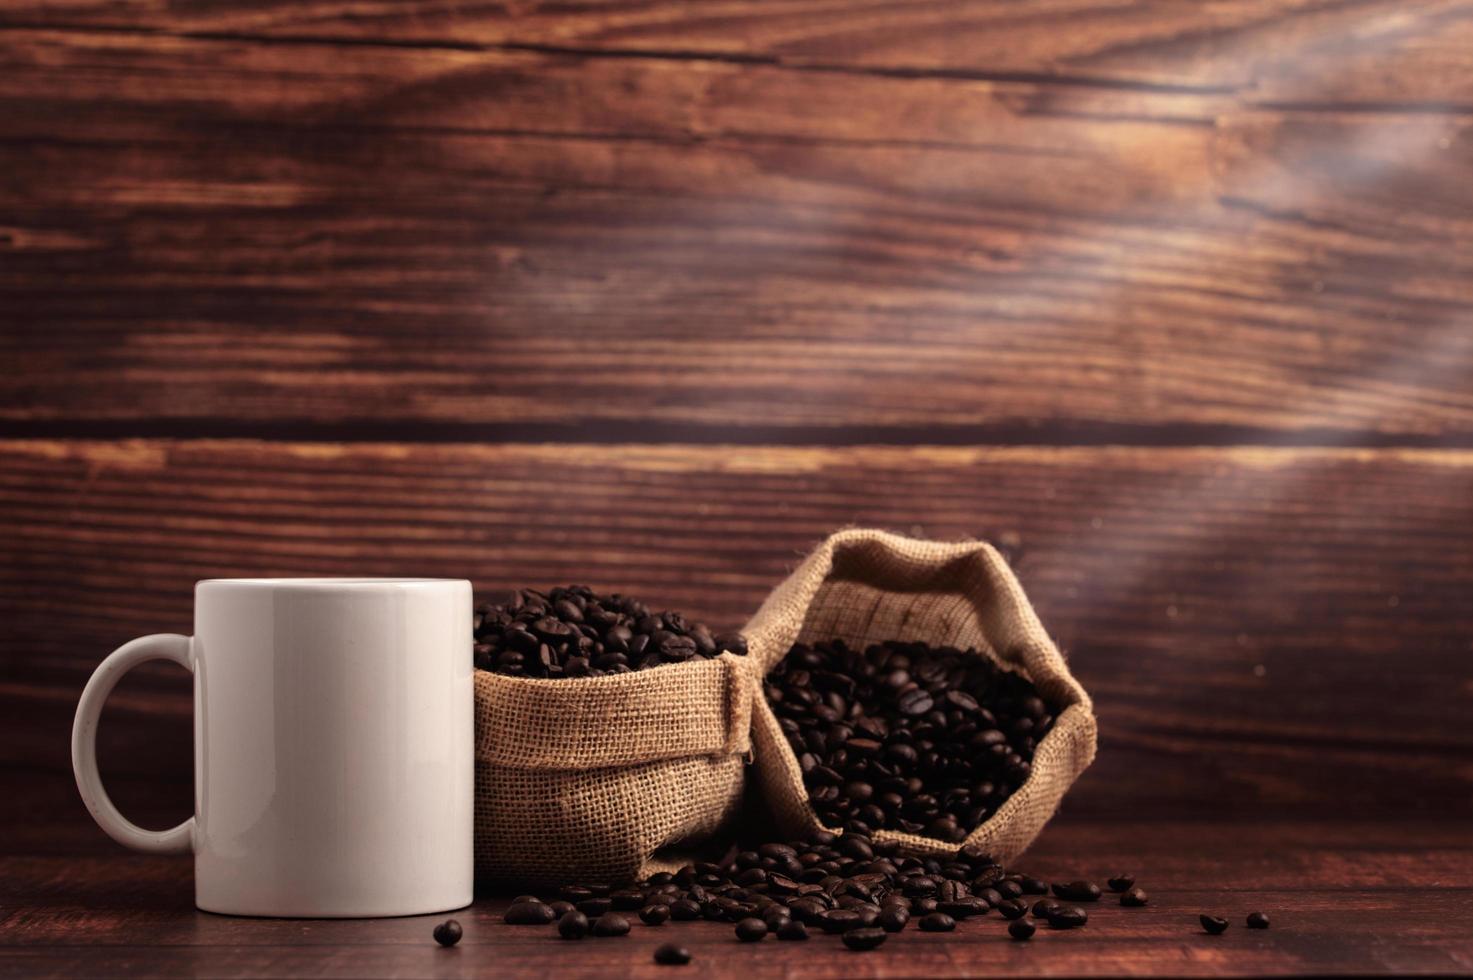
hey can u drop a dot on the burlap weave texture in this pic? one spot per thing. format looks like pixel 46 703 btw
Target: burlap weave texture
pixel 605 778
pixel 865 586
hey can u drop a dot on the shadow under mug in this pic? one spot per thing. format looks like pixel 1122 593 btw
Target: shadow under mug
pixel 333 746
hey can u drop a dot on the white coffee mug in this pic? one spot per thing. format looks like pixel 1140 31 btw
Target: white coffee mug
pixel 333 746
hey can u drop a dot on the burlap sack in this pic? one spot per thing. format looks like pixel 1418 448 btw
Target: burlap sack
pixel 865 586
pixel 605 779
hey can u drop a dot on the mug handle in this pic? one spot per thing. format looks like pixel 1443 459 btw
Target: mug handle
pixel 159 646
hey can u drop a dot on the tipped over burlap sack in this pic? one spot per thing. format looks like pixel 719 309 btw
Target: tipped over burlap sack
pixel 864 587
pixel 606 779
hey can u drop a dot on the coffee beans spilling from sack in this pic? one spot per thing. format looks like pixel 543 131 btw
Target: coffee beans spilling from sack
pixel 575 632
pixel 903 736
pixel 849 886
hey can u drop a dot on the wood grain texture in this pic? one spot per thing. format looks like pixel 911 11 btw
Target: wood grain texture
pixel 1276 631
pixel 1398 53
pixel 1339 895
pixel 207 235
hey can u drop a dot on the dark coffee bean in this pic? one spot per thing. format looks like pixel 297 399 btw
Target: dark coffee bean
pixel 893 919
pixel 448 933
pixel 1068 917
pixel 838 920
pixel 528 914
pixel 611 924
pixel 672 954
pixel 1212 924
pixel 685 910
pixel 575 893
pixel 732 643
pixel 1009 889
pixel 627 900
pixel 525 898
pixel 1257 920
pixel 1011 908
pixel 963 908
pixel 560 908
pixel 864 939
pixel 792 930
pixel 1077 891
pixel 938 922
pixel 1135 898
pixel 1121 883
pixel 1034 886
pixel 654 915
pixel 594 907
pixel 922 906
pixel 1021 929
pixel 573 925
pixel 751 930
pixel 1043 908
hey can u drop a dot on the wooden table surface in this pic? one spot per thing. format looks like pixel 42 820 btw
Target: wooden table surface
pixel 1174 300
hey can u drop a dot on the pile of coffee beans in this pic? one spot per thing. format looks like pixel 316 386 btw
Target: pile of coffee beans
pixel 849 886
pixel 575 632
pixel 903 736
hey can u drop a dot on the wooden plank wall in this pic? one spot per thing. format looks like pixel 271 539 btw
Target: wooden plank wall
pixel 1176 300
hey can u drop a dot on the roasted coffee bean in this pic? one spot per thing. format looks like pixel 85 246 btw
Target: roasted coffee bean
pixel 611 924
pixel 1068 917
pixel 792 930
pixel 573 925
pixel 528 914
pixel 654 915
pixel 775 916
pixel 1021 929
pixel 672 954
pixel 626 900
pixel 560 908
pixel 1034 886
pixel 864 939
pixel 751 930
pixel 893 919
pixel 964 908
pixel 1121 883
pixel 938 922
pixel 1135 898
pixel 1045 907
pixel 448 933
pixel 1257 920
pixel 907 737
pixel 1212 924
pixel 1077 891
pixel 685 910
pixel 838 920
pixel 594 907
pixel 525 898
pixel 923 906
pixel 575 632
pixel 1011 908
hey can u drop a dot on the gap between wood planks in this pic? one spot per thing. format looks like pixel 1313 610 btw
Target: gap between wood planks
pixel 1176 435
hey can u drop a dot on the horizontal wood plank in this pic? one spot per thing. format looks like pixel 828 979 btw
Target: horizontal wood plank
pixel 1274 631
pixel 1379 51
pixel 204 235
pixel 1337 894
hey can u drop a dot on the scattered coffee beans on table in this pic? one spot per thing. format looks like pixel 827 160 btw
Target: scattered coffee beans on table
pixel 575 632
pixel 448 933
pixel 903 736
pixel 849 886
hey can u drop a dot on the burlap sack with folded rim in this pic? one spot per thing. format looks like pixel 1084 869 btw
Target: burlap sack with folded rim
pixel 603 779
pixel 864 586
